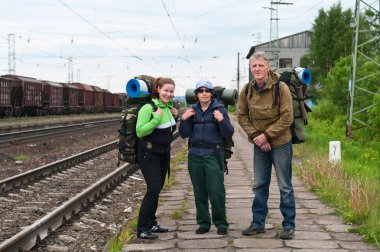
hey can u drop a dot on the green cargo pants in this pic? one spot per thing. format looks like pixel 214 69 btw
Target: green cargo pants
pixel 207 177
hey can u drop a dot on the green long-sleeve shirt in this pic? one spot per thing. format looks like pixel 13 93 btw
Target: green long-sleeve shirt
pixel 157 128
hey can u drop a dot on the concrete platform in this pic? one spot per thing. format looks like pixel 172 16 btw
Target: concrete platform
pixel 317 228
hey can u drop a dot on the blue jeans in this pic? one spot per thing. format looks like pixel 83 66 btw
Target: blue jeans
pixel 281 158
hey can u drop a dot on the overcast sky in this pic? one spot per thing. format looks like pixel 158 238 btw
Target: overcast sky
pixel 111 41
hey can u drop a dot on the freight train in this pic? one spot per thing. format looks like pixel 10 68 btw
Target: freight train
pixel 26 96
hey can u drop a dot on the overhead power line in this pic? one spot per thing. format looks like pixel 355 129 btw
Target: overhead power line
pixel 99 30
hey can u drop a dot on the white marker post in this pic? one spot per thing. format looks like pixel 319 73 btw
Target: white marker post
pixel 334 156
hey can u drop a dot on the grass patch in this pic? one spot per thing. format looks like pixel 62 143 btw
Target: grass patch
pixel 351 186
pixel 20 157
pixel 117 242
pixel 177 215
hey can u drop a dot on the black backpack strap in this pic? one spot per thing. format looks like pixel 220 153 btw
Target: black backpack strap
pixel 247 89
pixel 276 92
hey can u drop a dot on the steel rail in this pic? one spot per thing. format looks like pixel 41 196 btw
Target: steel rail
pixel 33 234
pixel 43 132
pixel 45 170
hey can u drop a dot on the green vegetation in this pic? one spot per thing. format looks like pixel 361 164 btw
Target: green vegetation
pixel 177 214
pixel 20 157
pixel 351 186
pixel 116 243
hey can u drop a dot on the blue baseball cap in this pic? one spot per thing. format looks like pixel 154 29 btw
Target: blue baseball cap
pixel 203 83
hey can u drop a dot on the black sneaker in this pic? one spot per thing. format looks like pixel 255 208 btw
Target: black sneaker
pixel 287 234
pixel 252 231
pixel 158 229
pixel 222 231
pixel 201 230
pixel 147 235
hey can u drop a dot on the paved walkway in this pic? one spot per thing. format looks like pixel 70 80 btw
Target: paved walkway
pixel 317 229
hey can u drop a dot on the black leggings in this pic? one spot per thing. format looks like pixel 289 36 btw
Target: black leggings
pixel 154 168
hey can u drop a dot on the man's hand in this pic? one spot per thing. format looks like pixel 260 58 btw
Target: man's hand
pixel 262 142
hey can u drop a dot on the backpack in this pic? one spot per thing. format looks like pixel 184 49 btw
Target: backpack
pixel 129 144
pixel 228 143
pixel 298 87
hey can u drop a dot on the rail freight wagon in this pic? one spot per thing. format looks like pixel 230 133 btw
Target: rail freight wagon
pixel 123 98
pixel 116 102
pixel 52 98
pixel 26 95
pixel 86 97
pixel 107 101
pixel 98 99
pixel 70 98
pixel 5 97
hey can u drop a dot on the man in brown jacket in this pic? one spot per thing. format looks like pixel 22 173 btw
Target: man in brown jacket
pixel 266 119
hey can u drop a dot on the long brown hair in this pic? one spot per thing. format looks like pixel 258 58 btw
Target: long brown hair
pixel 160 82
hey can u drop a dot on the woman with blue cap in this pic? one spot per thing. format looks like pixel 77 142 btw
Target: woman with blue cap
pixel 206 124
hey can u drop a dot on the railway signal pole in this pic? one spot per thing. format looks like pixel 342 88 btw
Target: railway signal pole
pixel 361 39
pixel 11 54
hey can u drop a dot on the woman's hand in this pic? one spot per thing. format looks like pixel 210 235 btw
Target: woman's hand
pixel 158 111
pixel 174 112
pixel 218 115
pixel 188 113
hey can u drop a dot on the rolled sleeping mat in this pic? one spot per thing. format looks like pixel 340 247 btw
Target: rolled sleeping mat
pixel 303 74
pixel 137 88
pixel 229 96
pixel 190 96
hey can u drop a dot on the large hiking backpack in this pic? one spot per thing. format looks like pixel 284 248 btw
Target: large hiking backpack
pixel 226 97
pixel 297 80
pixel 129 143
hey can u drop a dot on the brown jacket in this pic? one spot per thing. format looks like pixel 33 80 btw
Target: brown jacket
pixel 257 113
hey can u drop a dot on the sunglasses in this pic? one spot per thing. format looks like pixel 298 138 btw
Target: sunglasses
pixel 199 91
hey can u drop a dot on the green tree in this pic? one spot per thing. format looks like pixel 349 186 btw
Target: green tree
pixel 331 39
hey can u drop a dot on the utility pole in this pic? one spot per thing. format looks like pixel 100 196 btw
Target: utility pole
pixel 274 51
pixel 238 71
pixel 78 75
pixel 108 82
pixel 357 113
pixel 70 74
pixel 11 54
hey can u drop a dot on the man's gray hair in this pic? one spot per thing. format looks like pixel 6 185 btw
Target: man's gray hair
pixel 259 55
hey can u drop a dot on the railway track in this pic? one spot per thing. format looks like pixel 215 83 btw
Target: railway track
pixel 34 206
pixel 35 134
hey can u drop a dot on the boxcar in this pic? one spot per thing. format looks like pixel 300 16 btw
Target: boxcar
pixel 86 97
pixel 5 97
pixel 107 100
pixel 26 95
pixel 123 98
pixel 70 98
pixel 52 98
pixel 116 102
pixel 98 99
